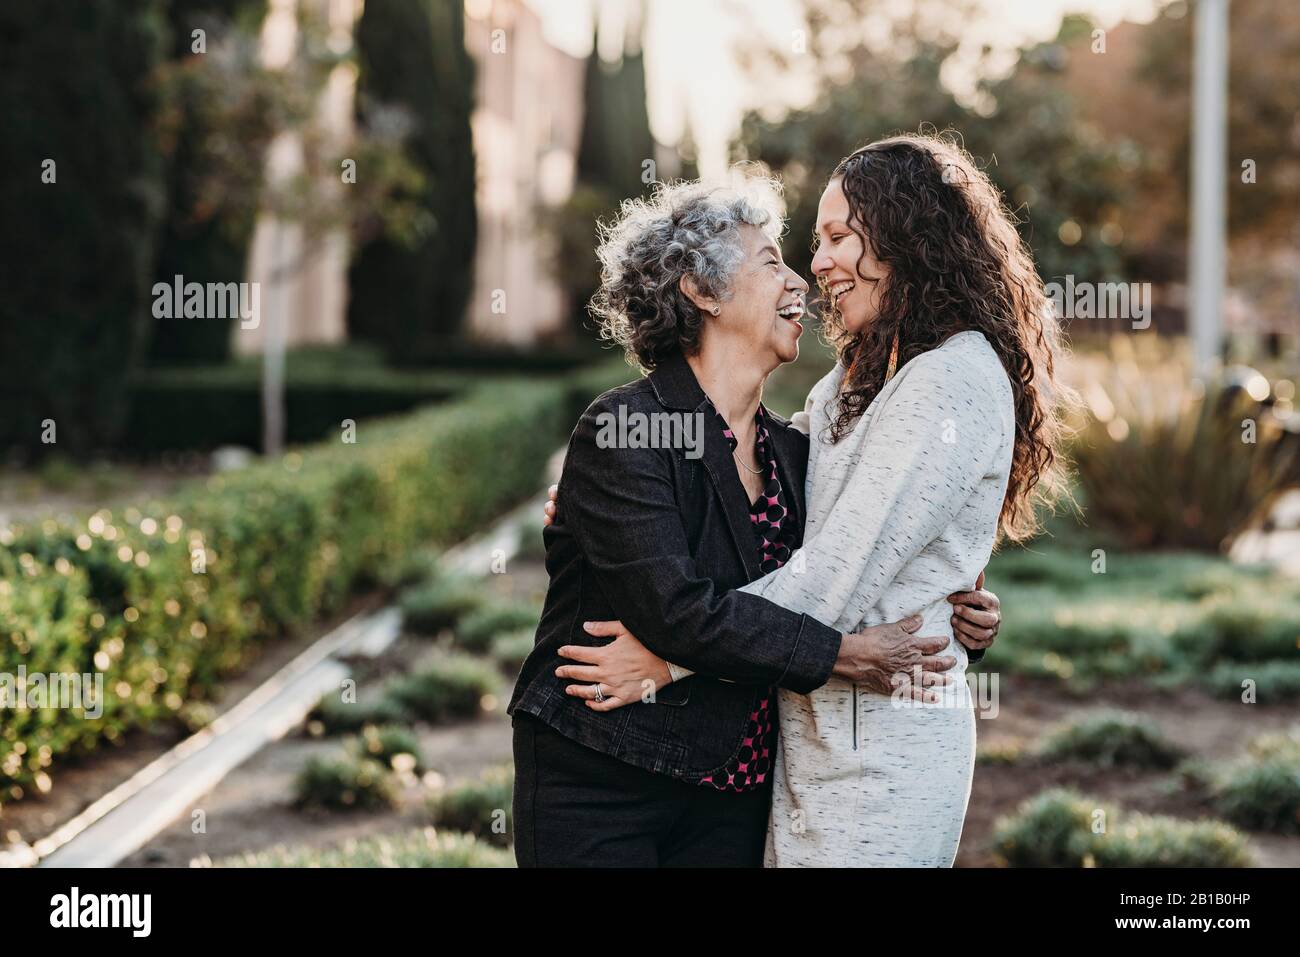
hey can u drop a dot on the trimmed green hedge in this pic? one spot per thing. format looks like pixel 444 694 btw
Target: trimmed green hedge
pixel 167 599
pixel 209 406
pixel 202 408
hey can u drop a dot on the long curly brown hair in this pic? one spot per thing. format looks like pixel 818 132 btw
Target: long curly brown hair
pixel 956 262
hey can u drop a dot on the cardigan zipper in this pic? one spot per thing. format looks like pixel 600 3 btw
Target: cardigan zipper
pixel 855 717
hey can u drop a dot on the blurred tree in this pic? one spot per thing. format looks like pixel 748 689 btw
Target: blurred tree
pixel 616 140
pixel 206 239
pixel 1263 112
pixel 82 196
pixel 616 144
pixel 1053 169
pixel 412 55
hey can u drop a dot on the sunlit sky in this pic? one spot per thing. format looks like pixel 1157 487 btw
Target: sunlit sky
pixel 691 71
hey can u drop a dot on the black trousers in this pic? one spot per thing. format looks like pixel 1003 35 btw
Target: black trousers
pixel 577 807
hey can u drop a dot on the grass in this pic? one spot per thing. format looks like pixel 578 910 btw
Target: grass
pixel 448 686
pixel 477 630
pixel 481 807
pixel 1261 794
pixel 391 745
pixel 509 651
pixel 1109 739
pixel 344 783
pixel 429 608
pixel 1061 828
pixel 1260 789
pixel 1083 613
pixel 337 716
pixel 423 847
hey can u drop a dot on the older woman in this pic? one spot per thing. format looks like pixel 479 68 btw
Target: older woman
pixel 934 433
pixel 657 535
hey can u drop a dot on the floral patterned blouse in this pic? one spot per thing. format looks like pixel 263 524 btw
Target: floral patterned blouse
pixel 774 538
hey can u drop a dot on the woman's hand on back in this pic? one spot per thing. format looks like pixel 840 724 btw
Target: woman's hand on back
pixel 625 670
pixel 976 615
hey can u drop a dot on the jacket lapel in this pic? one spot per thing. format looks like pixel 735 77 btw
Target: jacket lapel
pixel 676 387
pixel 721 466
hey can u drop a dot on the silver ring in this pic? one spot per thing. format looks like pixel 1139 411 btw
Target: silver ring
pixel 599 696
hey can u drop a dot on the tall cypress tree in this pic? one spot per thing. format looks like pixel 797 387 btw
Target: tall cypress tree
pixel 79 237
pixel 616 138
pixel 412 54
pixel 614 146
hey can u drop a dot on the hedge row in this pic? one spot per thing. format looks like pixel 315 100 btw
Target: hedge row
pixel 206 407
pixel 166 599
pixel 188 409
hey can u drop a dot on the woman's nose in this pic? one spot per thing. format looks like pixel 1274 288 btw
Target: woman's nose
pixel 796 281
pixel 821 261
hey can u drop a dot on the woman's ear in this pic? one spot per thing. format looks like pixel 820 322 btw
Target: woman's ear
pixel 692 292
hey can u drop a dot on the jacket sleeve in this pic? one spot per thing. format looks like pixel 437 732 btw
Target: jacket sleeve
pixel 798 421
pixel 932 441
pixel 620 505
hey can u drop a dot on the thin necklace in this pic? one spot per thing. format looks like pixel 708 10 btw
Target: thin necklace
pixel 757 471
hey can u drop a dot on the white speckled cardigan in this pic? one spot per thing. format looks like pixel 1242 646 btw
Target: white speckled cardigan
pixel 902 511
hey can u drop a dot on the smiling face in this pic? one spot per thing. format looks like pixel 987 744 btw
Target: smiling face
pixel 762 319
pixel 851 278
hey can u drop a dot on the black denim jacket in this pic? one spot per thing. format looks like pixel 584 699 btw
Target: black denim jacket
pixel 659 539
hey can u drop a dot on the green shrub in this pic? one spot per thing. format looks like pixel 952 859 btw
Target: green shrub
pixel 1177 473
pixel 339 717
pixel 382 743
pixel 418 567
pixel 1250 628
pixel 439 604
pixel 476 631
pixel 425 847
pixel 1003 753
pixel 1109 739
pixel 1055 829
pixel 1171 618
pixel 167 598
pixel 1276 744
pixel 1260 794
pixel 1274 682
pixel 510 650
pixel 481 807
pixel 449 686
pixel 345 782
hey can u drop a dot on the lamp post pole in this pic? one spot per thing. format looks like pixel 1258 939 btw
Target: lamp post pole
pixel 1207 261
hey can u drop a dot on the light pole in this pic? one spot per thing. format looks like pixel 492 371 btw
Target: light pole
pixel 1207 259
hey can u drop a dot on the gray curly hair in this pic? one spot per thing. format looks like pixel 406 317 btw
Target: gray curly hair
pixel 683 229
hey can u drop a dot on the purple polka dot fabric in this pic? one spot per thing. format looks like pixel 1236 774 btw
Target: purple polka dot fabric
pixel 774 537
